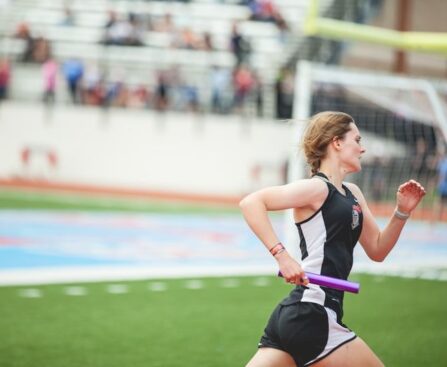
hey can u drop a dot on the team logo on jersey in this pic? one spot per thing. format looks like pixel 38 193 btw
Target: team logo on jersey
pixel 356 210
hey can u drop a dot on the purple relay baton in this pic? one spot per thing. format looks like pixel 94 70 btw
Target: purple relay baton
pixel 335 283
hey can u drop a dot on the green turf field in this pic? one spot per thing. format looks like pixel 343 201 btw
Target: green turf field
pixel 402 319
pixel 16 199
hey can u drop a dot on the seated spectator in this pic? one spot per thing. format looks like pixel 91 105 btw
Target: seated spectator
pixel 190 97
pixel 239 45
pixel 161 94
pixel 284 87
pixel 93 86
pixel 126 32
pixel 73 71
pixel 165 24
pixel 69 17
pixel 186 39
pixel 112 18
pixel 220 83
pixel 243 83
pixel 42 50
pixel 139 97
pixel 261 10
pixel 5 77
pixel 257 94
pixel 49 71
pixel 207 42
pixel 266 11
pixel 36 49
pixel 23 32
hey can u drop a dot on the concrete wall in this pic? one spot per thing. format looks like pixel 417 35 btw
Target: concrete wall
pixel 141 150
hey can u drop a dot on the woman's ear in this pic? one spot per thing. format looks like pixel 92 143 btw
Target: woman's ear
pixel 336 142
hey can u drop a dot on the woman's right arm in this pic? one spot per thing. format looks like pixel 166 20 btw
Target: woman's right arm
pixel 309 193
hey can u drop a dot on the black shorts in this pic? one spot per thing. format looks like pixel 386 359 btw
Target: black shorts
pixel 307 331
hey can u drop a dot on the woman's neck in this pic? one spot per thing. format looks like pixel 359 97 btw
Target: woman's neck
pixel 335 176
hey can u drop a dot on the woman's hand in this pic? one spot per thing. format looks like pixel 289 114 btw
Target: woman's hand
pixel 409 195
pixel 290 269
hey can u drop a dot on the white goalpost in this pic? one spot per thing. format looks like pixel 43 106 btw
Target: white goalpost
pixel 403 122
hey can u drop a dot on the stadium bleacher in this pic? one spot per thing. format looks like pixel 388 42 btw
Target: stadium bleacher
pixel 270 47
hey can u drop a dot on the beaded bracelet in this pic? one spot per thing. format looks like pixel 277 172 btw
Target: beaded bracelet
pixel 277 249
pixel 402 216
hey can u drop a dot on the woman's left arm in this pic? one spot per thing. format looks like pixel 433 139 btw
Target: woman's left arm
pixel 378 244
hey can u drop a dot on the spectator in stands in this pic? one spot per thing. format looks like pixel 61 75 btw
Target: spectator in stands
pixel 165 24
pixel 23 32
pixel 49 71
pixel 42 50
pixel 73 71
pixel 139 97
pixel 5 77
pixel 137 30
pixel 121 94
pixel 125 32
pixel 186 39
pixel 93 92
pixel 112 18
pixel 419 161
pixel 281 23
pixel 161 96
pixel 243 83
pixel 69 17
pixel 378 179
pixel 36 49
pixel 239 45
pixel 207 42
pixel 257 92
pixel 442 185
pixel 190 97
pixel 267 11
pixel 261 10
pixel 284 87
pixel 220 84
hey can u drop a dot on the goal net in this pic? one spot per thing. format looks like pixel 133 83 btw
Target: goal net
pixel 403 123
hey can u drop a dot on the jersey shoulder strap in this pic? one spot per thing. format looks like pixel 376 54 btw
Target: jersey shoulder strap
pixel 329 184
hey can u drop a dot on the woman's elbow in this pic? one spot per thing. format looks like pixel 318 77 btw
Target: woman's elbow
pixel 377 257
pixel 248 202
pixel 245 202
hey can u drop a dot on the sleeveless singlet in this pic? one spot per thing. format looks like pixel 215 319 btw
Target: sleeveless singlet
pixel 327 241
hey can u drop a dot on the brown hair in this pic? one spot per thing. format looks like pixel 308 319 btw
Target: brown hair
pixel 320 131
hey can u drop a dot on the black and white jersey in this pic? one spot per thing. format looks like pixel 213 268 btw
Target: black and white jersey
pixel 327 241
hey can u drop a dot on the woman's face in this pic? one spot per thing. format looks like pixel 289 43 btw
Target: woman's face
pixel 351 150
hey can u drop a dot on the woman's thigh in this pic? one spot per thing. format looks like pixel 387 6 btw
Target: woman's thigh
pixel 353 354
pixel 271 357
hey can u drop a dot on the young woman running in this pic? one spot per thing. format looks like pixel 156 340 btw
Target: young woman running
pixel 331 216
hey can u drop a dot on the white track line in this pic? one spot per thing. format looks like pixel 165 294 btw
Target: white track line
pixel 117 289
pixel 157 287
pixel 230 283
pixel 75 291
pixel 194 284
pixel 261 282
pixel 30 293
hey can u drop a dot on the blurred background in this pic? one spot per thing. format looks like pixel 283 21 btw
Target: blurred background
pixel 130 130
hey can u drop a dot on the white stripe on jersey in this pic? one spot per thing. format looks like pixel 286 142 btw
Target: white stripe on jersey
pixel 314 232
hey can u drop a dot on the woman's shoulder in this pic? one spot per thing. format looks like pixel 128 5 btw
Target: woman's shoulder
pixel 355 190
pixel 351 186
pixel 312 187
pixel 313 183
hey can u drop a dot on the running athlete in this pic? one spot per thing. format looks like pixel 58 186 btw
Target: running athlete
pixel 331 216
